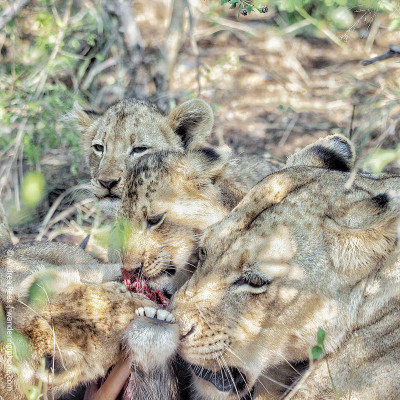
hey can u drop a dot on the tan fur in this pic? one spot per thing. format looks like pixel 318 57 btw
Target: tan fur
pixel 80 325
pixel 192 191
pixel 299 252
pixel 134 124
pixel 188 191
pixel 5 237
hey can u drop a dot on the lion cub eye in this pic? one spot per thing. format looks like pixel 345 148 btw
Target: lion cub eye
pixel 155 220
pixel 202 256
pixel 137 150
pixel 254 281
pixel 98 147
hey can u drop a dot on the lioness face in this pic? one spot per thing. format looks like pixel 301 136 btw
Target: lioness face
pixel 130 129
pixel 169 199
pixel 284 262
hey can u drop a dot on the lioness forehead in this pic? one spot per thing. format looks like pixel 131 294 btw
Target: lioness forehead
pixel 252 227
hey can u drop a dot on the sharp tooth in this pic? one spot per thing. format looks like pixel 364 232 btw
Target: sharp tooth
pixel 170 318
pixel 162 314
pixel 140 311
pixel 150 312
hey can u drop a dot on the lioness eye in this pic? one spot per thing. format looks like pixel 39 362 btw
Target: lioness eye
pixel 98 147
pixel 155 220
pixel 137 150
pixel 254 281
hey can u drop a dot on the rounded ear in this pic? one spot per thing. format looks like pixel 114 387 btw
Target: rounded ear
pixel 332 152
pixel 364 214
pixel 362 234
pixel 204 166
pixel 84 118
pixel 192 122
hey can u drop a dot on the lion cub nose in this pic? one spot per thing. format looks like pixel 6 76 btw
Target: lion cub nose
pixel 109 184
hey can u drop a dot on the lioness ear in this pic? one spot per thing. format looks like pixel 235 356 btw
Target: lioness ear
pixel 192 122
pixel 84 118
pixel 361 234
pixel 364 214
pixel 332 152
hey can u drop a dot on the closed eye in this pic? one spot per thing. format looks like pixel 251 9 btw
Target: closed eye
pixel 138 150
pixel 254 281
pixel 155 220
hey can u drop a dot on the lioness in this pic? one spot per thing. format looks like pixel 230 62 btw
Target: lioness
pixel 171 197
pixel 302 250
pixel 130 129
pixel 80 325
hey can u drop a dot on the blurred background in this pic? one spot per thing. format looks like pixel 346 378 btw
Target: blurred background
pixel 277 78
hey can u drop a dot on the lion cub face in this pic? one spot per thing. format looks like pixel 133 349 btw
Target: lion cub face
pixel 130 129
pixel 78 332
pixel 168 200
pixel 293 256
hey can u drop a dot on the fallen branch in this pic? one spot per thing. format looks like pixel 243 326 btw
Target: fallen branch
pixel 394 51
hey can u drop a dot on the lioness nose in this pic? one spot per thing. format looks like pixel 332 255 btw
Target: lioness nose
pixel 109 184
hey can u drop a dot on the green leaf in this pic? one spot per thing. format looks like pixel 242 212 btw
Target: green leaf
pixel 33 188
pixel 249 9
pixel 20 345
pixel 316 352
pixel 223 2
pixel 240 8
pixel 285 108
pixel 320 336
pixel 40 289
pixel 394 24
pixel 378 159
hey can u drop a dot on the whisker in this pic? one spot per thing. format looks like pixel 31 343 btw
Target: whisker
pixel 230 374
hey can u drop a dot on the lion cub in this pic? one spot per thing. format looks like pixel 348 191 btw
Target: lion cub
pixel 170 198
pixel 130 129
pixel 133 128
pixel 78 321
pixel 303 250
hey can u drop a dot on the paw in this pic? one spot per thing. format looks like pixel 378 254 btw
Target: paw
pixel 151 312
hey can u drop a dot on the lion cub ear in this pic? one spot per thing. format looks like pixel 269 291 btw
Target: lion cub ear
pixel 192 122
pixel 84 118
pixel 332 152
pixel 206 165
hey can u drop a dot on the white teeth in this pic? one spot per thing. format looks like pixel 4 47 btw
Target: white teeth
pixel 140 311
pixel 162 314
pixel 150 312
pixel 170 318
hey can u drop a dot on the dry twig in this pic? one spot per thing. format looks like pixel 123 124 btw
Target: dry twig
pixel 195 49
pixel 10 12
pixel 394 51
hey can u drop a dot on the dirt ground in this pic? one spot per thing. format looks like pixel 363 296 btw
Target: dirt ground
pixel 273 92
